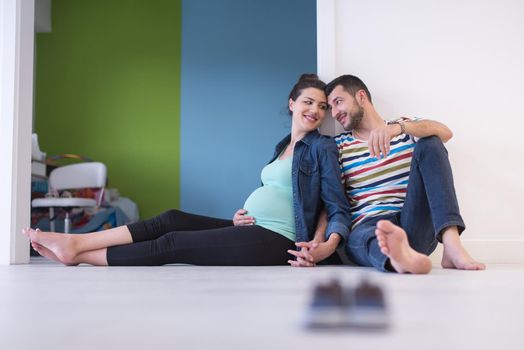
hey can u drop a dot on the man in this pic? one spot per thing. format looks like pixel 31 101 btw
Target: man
pixel 399 183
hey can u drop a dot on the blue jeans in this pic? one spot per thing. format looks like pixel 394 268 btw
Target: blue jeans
pixel 430 207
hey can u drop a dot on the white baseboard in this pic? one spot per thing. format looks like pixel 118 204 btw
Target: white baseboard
pixel 489 251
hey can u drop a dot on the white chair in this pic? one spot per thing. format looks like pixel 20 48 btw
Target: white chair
pixel 69 177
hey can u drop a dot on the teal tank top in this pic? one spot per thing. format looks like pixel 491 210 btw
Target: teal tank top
pixel 272 204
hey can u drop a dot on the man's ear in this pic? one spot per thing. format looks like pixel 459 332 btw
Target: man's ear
pixel 291 105
pixel 361 97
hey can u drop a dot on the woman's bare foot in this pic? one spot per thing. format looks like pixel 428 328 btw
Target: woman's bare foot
pixel 455 255
pixel 40 249
pixel 393 243
pixel 43 251
pixel 58 246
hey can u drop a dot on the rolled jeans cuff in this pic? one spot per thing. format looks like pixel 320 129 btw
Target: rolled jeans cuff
pixel 460 226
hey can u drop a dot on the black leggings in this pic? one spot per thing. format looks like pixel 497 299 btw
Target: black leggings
pixel 178 237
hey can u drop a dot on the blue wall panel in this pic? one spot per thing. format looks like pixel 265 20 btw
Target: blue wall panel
pixel 240 59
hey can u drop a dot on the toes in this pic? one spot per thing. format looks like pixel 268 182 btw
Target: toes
pixel 475 266
pixel 463 265
pixel 27 231
pixel 380 234
pixel 385 225
pixel 470 267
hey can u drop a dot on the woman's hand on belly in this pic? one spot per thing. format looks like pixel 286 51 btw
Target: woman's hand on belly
pixel 241 219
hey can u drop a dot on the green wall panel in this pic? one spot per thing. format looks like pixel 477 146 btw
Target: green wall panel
pixel 108 87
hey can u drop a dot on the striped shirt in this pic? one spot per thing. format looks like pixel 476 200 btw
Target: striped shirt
pixel 374 186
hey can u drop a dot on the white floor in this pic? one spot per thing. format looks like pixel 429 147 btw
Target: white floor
pixel 48 306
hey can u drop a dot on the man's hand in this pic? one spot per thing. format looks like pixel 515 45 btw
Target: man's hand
pixel 241 219
pixel 379 140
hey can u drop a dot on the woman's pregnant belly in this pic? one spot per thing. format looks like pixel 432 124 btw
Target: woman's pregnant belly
pixel 272 208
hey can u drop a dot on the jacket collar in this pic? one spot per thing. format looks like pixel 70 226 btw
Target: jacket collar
pixel 308 139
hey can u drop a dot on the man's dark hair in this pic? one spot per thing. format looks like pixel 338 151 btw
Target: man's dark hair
pixel 350 83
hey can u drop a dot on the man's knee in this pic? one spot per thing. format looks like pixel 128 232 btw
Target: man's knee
pixel 429 144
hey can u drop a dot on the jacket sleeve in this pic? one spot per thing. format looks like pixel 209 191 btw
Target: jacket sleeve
pixel 332 191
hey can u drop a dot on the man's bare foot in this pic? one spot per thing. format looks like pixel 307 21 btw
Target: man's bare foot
pixel 393 243
pixel 58 246
pixel 455 255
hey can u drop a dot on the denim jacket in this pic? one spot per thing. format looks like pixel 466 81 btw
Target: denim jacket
pixel 317 184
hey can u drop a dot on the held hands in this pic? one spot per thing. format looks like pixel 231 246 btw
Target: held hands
pixel 378 140
pixel 304 257
pixel 241 219
pixel 313 252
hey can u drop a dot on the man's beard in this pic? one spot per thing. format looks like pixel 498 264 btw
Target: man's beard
pixel 355 119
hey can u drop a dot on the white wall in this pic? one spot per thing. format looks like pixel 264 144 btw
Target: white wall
pixel 16 101
pixel 459 62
